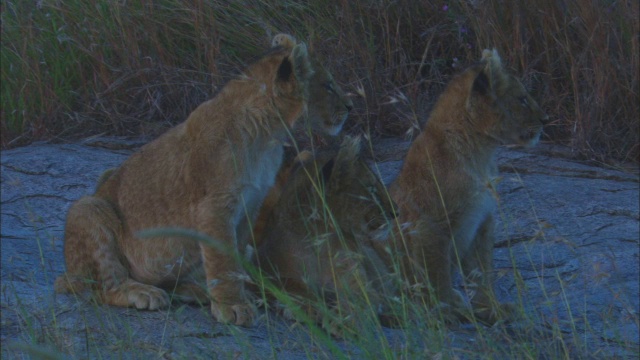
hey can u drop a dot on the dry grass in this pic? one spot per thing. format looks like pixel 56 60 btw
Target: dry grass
pixel 75 68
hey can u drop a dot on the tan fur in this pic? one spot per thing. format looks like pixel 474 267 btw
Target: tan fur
pixel 328 109
pixel 329 105
pixel 323 234
pixel 273 196
pixel 445 190
pixel 210 174
pixel 105 175
pixel 329 113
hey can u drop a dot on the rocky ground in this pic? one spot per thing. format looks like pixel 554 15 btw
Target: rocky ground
pixel 570 230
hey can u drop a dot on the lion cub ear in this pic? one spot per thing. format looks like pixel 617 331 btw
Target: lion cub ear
pixel 296 64
pixel 492 76
pixel 285 40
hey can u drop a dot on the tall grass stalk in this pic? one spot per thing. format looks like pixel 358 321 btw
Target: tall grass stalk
pixel 74 68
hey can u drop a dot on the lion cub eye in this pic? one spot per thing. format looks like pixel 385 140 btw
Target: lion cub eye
pixel 329 87
pixel 523 101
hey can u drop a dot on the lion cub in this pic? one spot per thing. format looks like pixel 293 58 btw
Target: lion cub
pixel 445 190
pixel 326 232
pixel 210 174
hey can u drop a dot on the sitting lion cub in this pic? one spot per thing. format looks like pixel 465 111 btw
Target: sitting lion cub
pixel 210 174
pixel 323 233
pixel 445 190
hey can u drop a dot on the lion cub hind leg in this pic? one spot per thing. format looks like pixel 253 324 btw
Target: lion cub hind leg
pixel 94 261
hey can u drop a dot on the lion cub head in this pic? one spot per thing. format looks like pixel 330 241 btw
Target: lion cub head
pixel 499 105
pixel 340 193
pixel 357 198
pixel 328 106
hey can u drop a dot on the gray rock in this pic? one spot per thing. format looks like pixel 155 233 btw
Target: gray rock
pixel 567 253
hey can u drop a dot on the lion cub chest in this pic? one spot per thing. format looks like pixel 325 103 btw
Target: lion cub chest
pixel 479 208
pixel 261 166
pixel 473 218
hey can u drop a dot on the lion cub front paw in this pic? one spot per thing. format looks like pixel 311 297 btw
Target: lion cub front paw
pixel 134 294
pixel 240 314
pixel 149 297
